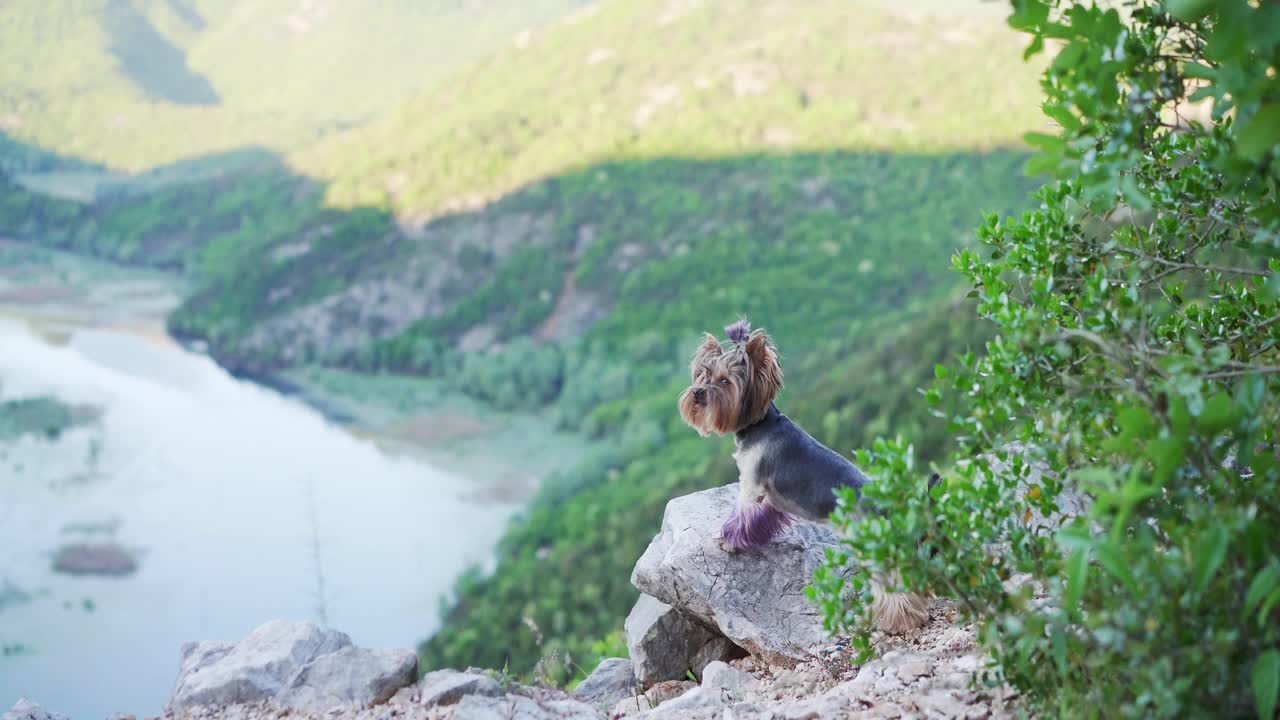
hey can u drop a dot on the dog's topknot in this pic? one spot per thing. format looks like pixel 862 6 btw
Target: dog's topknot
pixel 739 331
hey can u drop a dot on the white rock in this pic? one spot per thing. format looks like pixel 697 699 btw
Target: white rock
pixel 350 676
pixel 723 676
pixel 446 687
pixel 754 599
pixel 294 664
pixel 663 642
pixel 26 709
pixel 697 704
pixel 910 671
pixel 611 681
pixel 630 706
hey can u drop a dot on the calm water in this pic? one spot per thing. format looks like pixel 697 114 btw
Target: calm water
pixel 242 505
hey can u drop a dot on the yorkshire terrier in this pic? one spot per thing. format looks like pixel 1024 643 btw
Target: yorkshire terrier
pixel 783 472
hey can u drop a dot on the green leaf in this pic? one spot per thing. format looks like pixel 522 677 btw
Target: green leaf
pixel 1065 117
pixel 1219 413
pixel 1040 164
pixel 1266 682
pixel 1270 290
pixel 1267 604
pixel 1211 550
pixel 1189 10
pixel 940 371
pixel 1264 582
pixel 1113 562
pixel 1027 14
pixel 1199 71
pixel 1037 44
pixel 1136 420
pixel 1133 194
pixel 1260 133
pixel 1044 141
pixel 1167 452
pixel 1059 648
pixel 1077 576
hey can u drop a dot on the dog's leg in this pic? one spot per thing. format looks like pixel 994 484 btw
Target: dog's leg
pixel 752 526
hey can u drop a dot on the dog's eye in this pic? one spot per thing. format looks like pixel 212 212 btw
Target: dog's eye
pixel 724 381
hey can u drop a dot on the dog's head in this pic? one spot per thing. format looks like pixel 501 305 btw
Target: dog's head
pixel 733 384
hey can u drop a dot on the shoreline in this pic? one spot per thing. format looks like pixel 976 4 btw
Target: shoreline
pixel 505 457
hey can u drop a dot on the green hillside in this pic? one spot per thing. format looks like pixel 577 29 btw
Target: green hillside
pixel 137 83
pixel 632 79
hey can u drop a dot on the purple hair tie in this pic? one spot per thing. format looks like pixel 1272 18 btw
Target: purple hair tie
pixel 739 331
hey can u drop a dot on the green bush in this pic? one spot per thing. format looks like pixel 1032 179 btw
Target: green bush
pixel 1136 362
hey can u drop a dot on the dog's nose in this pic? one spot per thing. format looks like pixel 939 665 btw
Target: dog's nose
pixel 699 394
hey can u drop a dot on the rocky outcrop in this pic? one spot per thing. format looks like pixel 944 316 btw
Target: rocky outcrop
pixel 740 622
pixel 25 709
pixel 292 664
pixel 928 675
pixel 612 681
pixel 756 600
pixel 666 644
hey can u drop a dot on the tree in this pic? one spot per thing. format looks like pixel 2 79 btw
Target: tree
pixel 1136 364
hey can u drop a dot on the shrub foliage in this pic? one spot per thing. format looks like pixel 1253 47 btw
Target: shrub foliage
pixel 1136 364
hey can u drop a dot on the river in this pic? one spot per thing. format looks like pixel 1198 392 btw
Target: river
pixel 239 503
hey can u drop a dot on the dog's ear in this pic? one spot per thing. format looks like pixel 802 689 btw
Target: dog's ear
pixel 766 374
pixel 707 352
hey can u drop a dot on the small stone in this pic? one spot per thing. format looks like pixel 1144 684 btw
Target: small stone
pixel 630 706
pixel 879 711
pixel 788 678
pixel 447 687
pixel 953 680
pixel 698 701
pixel 668 690
pixel 722 676
pixel 611 681
pixel 887 683
pixel 910 671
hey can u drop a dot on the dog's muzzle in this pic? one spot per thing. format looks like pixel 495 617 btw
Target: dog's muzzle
pixel 700 396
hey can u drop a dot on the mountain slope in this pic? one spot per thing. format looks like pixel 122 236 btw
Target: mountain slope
pixel 137 83
pixel 632 79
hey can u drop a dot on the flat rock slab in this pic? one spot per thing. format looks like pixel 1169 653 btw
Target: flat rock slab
pixel 755 599
pixel 292 664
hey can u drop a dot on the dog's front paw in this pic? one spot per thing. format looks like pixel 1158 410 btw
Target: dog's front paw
pixel 728 547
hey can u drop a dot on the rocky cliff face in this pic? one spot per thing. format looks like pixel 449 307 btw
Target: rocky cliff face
pixel 715 637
